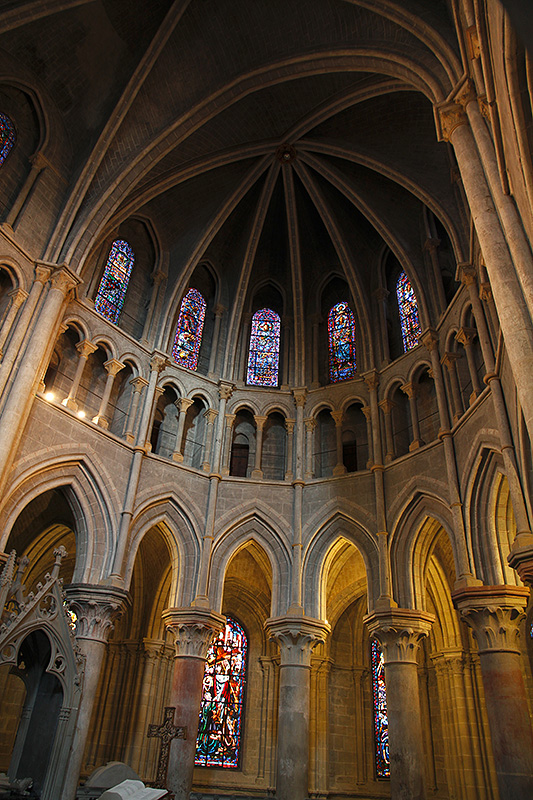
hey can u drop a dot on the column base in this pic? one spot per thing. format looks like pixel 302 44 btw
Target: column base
pixel 415 445
pixel 69 402
pixel 177 457
pixel 257 473
pixel 339 469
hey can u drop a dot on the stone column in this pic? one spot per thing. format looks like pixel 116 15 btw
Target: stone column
pixel 138 385
pixel 466 337
pixel 245 341
pixel 210 417
pixel 157 277
pixel 387 406
pixel 310 425
pixel 400 632
pixel 230 420
pixel 286 328
pixel 494 614
pixel 18 296
pixel 289 425
pixel 367 411
pixel 194 630
pixel 224 393
pixel 112 367
pixel 96 609
pixel 315 322
pixel 449 359
pixel 339 468
pixel 296 637
pixel 372 381
pixel 515 320
pixel 183 404
pixel 382 298
pixel 84 348
pixel 38 163
pixel 21 394
pixel 299 399
pixel 257 472
pixel 219 310
pixel 410 391
pixel 431 246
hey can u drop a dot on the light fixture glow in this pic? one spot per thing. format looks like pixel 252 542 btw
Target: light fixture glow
pixel 50 396
pixel 81 414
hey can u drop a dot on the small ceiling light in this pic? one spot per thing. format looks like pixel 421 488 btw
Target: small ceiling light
pixel 81 414
pixel 50 396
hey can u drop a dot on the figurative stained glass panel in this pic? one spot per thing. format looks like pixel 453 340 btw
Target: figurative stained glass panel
pixel 220 727
pixel 7 136
pixel 341 331
pixel 263 360
pixel 381 722
pixel 189 330
pixel 408 307
pixel 112 290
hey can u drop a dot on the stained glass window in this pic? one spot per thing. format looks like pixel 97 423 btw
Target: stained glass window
pixel 189 330
pixel 263 361
pixel 381 722
pixel 408 308
pixel 341 330
pixel 220 727
pixel 112 290
pixel 7 136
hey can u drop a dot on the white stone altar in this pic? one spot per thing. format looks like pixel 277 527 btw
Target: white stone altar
pixel 133 790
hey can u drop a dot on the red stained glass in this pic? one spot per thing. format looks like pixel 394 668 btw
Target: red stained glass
pixel 408 308
pixel 341 330
pixel 112 290
pixel 189 330
pixel 381 722
pixel 7 136
pixel 220 728
pixel 263 361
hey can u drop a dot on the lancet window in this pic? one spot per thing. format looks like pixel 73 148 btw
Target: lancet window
pixel 341 331
pixel 408 308
pixel 218 742
pixel 112 290
pixel 381 722
pixel 7 137
pixel 189 330
pixel 263 359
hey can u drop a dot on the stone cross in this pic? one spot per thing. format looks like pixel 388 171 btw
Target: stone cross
pixel 166 732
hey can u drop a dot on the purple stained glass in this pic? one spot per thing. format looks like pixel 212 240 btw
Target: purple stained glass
pixel 341 331
pixel 112 290
pixel 381 722
pixel 408 308
pixel 7 137
pixel 189 330
pixel 263 361
pixel 220 727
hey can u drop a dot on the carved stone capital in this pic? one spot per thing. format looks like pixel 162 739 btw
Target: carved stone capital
pixel 184 403
pixel 466 273
pixel 113 366
pixel 158 362
pixel 42 272
pixel 465 336
pixel 449 359
pixel 289 425
pixel 193 630
pixel 409 389
pixel 225 390
pixel 138 384
pixel 337 417
pixel 297 637
pixel 386 406
pixel 466 93
pixel 299 397
pixel 400 632
pixel 96 609
pixel 430 339
pixel 372 380
pixel 210 415
pixel 521 557
pixel 449 117
pixel 310 424
pixel 64 280
pixel 17 297
pixel 260 421
pixel 85 348
pixel 230 419
pixel 494 614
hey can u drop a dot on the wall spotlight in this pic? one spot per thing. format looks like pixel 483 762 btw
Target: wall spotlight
pixel 50 396
pixel 81 414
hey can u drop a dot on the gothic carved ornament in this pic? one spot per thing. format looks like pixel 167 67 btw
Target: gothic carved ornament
pixel 494 614
pixel 400 632
pixel 297 636
pixel 96 608
pixel 193 630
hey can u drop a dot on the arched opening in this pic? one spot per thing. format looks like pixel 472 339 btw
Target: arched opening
pixel 427 408
pixel 165 424
pixel 325 453
pixel 402 429
pixel 355 453
pixel 273 458
pixel 62 367
pixel 194 434
pixel 243 444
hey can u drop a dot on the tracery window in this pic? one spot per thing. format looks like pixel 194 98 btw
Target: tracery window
pixel 220 728
pixel 112 290
pixel 341 331
pixel 381 722
pixel 189 330
pixel 263 360
pixel 7 137
pixel 408 307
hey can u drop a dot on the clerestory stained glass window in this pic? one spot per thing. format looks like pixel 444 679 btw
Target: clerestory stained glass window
pixel 189 330
pixel 381 722
pixel 263 360
pixel 112 290
pixel 220 728
pixel 408 307
pixel 341 331
pixel 7 137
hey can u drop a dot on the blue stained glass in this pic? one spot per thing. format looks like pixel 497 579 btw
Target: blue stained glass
pixel 7 136
pixel 341 331
pixel 112 290
pixel 189 330
pixel 220 727
pixel 408 307
pixel 381 721
pixel 263 361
